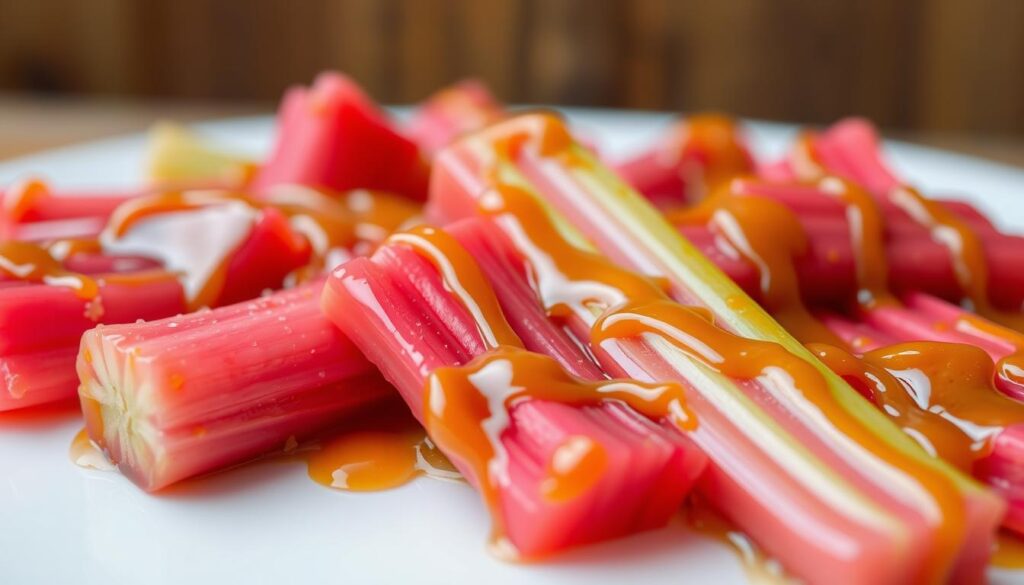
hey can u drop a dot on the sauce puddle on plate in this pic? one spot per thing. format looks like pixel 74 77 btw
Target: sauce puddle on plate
pixel 379 454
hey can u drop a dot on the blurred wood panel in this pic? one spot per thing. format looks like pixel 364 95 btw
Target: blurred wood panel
pixel 944 65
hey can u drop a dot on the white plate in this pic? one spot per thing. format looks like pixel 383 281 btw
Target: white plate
pixel 268 523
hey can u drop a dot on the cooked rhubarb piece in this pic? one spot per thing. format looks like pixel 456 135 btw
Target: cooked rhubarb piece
pixel 30 210
pixel 936 520
pixel 690 161
pixel 451 112
pixel 177 156
pixel 182 396
pixel 851 149
pixel 557 464
pixel 40 325
pixel 331 136
pixel 825 260
pixel 225 247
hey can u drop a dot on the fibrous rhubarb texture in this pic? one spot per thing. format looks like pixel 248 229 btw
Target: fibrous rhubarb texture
pixel 421 322
pixel 893 498
pixel 331 136
pixel 182 396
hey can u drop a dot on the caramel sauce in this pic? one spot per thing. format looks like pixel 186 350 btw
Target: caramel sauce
pixel 343 225
pixel 198 248
pixel 965 247
pixel 759 567
pixel 464 279
pixel 714 140
pixel 769 236
pixel 941 394
pixel 391 452
pixel 466 407
pixel 1009 551
pixel 467 413
pixel 32 263
pixel 21 198
pixel 867 236
pixel 84 453
pixel 562 271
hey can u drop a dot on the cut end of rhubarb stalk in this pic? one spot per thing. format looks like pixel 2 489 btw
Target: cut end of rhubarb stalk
pixel 183 396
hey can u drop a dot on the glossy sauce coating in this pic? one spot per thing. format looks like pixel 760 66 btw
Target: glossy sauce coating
pixel 941 394
pixel 769 236
pixel 384 452
pixel 31 262
pixel 649 311
pixel 965 247
pixel 714 141
pixel 466 407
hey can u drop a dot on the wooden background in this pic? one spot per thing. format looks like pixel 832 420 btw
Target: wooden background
pixel 936 65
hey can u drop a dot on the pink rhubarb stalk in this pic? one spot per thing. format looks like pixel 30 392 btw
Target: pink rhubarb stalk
pixel 331 136
pixel 402 313
pixel 187 395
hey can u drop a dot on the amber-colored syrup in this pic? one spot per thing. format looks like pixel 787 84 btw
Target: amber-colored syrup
pixel 339 226
pixel 32 263
pixel 465 405
pixel 649 311
pixel 769 236
pixel 714 143
pixel 384 452
pixel 965 247
pixel 22 197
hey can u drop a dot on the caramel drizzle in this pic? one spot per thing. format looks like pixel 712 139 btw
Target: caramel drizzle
pixel 344 225
pixel 769 236
pixel 714 139
pixel 467 412
pixel 378 454
pixel 649 311
pixel 941 394
pixel 32 263
pixel 1010 367
pixel 466 407
pixel 20 199
pixel 966 249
